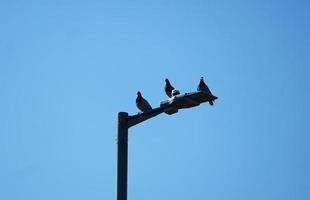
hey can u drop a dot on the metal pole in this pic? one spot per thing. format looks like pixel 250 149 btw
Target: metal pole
pixel 122 156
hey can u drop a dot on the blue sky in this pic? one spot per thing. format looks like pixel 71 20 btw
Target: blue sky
pixel 68 67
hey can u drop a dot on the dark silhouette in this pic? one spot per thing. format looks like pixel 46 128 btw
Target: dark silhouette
pixel 202 87
pixel 168 88
pixel 142 104
pixel 169 106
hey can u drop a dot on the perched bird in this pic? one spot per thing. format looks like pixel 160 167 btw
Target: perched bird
pixel 168 88
pixel 142 104
pixel 204 88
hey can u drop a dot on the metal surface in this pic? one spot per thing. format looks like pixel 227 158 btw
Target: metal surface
pixel 122 156
pixel 138 118
pixel 124 123
pixel 186 100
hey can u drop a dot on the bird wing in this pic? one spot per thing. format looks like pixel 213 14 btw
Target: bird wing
pixel 146 105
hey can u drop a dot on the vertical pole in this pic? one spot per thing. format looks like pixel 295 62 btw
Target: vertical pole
pixel 122 156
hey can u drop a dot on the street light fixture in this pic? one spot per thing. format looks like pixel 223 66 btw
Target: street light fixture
pixel 125 121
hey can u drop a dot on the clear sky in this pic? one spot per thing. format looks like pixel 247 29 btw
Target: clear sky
pixel 68 67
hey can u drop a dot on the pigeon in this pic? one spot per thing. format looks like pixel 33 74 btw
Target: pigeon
pixel 204 88
pixel 168 88
pixel 142 104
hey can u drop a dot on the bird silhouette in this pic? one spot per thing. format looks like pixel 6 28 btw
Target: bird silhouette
pixel 142 103
pixel 202 87
pixel 168 88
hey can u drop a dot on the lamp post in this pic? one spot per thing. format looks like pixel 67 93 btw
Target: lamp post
pixel 125 121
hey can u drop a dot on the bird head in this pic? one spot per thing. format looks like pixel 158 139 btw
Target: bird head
pixel 167 81
pixel 201 78
pixel 139 94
